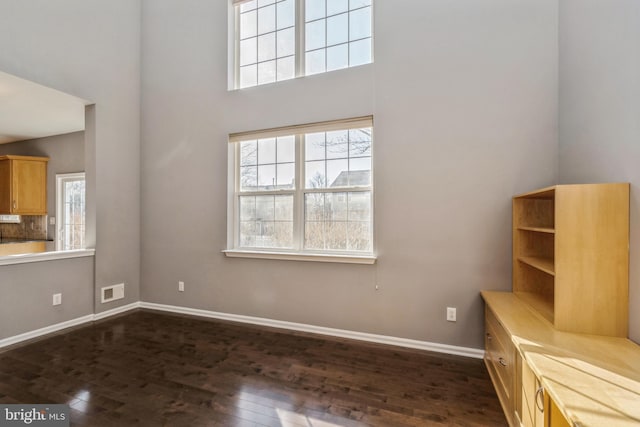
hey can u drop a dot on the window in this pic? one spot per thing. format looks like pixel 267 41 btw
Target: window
pixel 304 190
pixel 330 35
pixel 70 207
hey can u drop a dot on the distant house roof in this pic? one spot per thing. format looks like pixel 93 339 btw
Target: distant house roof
pixel 352 178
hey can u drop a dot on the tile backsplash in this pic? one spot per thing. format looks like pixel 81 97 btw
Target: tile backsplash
pixel 30 227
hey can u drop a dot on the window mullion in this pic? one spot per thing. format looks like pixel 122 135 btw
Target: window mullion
pixel 300 35
pixel 298 223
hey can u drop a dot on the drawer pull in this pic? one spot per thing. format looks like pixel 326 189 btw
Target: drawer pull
pixel 502 362
pixel 489 337
pixel 540 392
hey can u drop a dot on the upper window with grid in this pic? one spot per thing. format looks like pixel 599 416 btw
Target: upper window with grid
pixel 281 39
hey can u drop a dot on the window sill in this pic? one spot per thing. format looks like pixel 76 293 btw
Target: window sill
pixel 45 256
pixel 294 256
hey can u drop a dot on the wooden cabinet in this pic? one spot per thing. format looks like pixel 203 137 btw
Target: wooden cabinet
pixel 23 185
pixel 571 256
pixel 534 402
pixel 499 358
pixel 21 248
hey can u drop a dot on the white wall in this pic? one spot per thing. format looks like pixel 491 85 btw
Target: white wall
pixel 91 49
pixel 600 108
pixel 464 98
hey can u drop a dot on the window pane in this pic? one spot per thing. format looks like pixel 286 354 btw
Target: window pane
pixel 337 173
pixel 248 76
pixel 283 234
pixel 315 174
pixel 337 29
pixel 314 207
pixel 336 207
pixel 284 208
pixel 266 177
pixel 248 24
pixel 360 171
pixel 337 144
pixel 286 149
pixel 314 146
pixel 337 6
pixel 285 14
pixel 265 2
pixel 336 235
pixel 359 236
pixel 286 68
pixel 360 206
pixel 265 208
pixel 267 47
pixel 267 19
pixel 360 52
pixel 359 148
pixel 286 42
pixel 314 235
pixel 266 151
pixel 286 175
pixel 248 51
pixel 315 62
pixel 267 72
pixel 315 35
pixel 314 9
pixel 360 23
pixel 337 57
pixel 249 153
pixel 248 178
pixel 247 233
pixel 247 208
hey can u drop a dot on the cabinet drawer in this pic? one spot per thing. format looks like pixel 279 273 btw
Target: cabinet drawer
pixel 499 356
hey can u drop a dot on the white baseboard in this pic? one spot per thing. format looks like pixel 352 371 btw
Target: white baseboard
pixel 117 310
pixel 67 324
pixel 360 336
pixel 301 327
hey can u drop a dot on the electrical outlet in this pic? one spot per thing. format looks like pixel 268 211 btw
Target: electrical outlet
pixel 451 314
pixel 180 286
pixel 52 220
pixel 57 299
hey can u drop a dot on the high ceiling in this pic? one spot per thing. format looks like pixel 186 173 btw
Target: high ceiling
pixel 29 110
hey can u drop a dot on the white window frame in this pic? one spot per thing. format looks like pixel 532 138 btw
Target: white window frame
pixel 299 253
pixel 60 180
pixel 300 39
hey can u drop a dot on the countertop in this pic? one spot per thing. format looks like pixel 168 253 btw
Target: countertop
pixel 594 380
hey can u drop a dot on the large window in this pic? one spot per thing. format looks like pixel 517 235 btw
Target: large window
pixel 306 190
pixel 281 39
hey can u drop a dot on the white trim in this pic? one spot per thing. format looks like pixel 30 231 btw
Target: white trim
pixel 360 336
pixel 294 256
pixel 45 256
pixel 117 310
pixel 327 126
pixel 67 324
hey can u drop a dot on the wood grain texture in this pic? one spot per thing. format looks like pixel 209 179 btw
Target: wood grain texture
pixel 23 185
pixel 21 248
pixel 153 369
pixel 577 235
pixel 594 380
pixel 592 259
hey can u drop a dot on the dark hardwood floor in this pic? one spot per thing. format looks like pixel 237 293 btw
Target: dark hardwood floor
pixel 153 369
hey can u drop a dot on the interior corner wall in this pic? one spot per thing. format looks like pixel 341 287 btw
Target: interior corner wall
pixel 600 108
pixel 464 98
pixel 90 49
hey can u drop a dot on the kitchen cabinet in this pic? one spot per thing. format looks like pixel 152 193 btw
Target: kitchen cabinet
pixel 23 185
